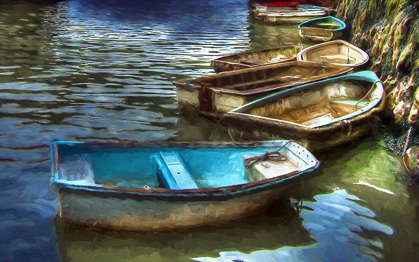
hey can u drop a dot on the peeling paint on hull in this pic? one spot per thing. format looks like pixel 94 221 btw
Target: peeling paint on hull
pixel 158 215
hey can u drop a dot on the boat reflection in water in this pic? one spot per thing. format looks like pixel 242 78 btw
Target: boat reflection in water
pixel 77 243
pixel 336 212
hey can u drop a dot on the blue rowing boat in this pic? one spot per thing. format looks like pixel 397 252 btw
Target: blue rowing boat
pixel 171 185
pixel 322 29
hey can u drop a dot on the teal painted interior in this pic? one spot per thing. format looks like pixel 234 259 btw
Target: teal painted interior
pixel 208 167
pixel 328 22
pixel 173 172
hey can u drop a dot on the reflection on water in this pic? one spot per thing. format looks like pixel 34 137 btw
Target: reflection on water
pixel 337 224
pixel 102 70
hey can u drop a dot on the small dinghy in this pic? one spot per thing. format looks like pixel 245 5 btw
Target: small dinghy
pixel 321 29
pixel 289 15
pixel 217 94
pixel 255 58
pixel 274 6
pixel 164 186
pixel 337 52
pixel 318 115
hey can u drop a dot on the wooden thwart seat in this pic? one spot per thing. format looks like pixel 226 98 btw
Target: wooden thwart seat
pixel 173 173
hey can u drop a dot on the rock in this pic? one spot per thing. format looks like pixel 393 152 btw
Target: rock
pixel 411 160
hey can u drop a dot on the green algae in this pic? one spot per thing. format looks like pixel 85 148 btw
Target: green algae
pixel 388 30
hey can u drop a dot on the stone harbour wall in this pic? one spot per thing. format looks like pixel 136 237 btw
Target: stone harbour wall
pixel 388 30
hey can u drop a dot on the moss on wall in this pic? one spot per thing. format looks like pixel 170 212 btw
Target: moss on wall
pixel 389 31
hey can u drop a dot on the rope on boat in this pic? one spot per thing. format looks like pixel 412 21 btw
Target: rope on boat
pixel 369 91
pixel 346 124
pixel 274 156
pixel 408 139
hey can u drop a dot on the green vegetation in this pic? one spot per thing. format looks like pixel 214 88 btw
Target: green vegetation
pixel 389 31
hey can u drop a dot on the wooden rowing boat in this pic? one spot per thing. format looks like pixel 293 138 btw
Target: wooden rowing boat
pixel 321 29
pixel 217 94
pixel 289 15
pixel 254 58
pixel 171 185
pixel 274 6
pixel 317 115
pixel 337 52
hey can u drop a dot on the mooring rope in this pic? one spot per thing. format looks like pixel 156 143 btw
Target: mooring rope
pixel 408 139
pixel 274 156
pixel 369 91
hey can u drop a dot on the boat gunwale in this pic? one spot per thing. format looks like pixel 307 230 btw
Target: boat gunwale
pixel 261 90
pixel 339 41
pixel 292 13
pixel 219 193
pixel 350 118
pixel 338 21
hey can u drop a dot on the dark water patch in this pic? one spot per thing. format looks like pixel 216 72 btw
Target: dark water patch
pixel 337 213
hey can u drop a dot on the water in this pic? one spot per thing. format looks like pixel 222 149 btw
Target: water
pixel 102 70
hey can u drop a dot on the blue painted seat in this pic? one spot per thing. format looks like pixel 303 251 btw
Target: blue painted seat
pixel 172 172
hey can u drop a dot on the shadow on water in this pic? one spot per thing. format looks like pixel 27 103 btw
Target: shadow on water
pixel 335 222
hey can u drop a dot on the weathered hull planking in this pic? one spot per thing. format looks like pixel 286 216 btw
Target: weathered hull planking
pixel 156 214
pixel 298 17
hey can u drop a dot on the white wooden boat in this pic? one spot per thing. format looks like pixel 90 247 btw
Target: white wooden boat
pixel 337 52
pixel 318 115
pixel 295 15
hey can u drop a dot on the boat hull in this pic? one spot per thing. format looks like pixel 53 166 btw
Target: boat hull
pixel 276 18
pixel 145 215
pixel 319 37
pixel 315 141
pixel 221 99
pixel 188 101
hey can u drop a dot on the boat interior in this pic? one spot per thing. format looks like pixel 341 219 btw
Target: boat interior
pixel 314 31
pixel 318 105
pixel 338 54
pixel 325 23
pixel 174 168
pixel 264 56
pixel 248 79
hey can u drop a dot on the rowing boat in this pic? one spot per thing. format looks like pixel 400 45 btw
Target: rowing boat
pixel 164 186
pixel 217 94
pixel 254 58
pixel 337 52
pixel 321 29
pixel 290 15
pixel 317 115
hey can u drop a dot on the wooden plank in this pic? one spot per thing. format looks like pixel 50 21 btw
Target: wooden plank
pixel 173 173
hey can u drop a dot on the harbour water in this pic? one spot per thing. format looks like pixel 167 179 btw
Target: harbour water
pixel 102 70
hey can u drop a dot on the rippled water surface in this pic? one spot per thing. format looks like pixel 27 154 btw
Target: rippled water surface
pixel 102 70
